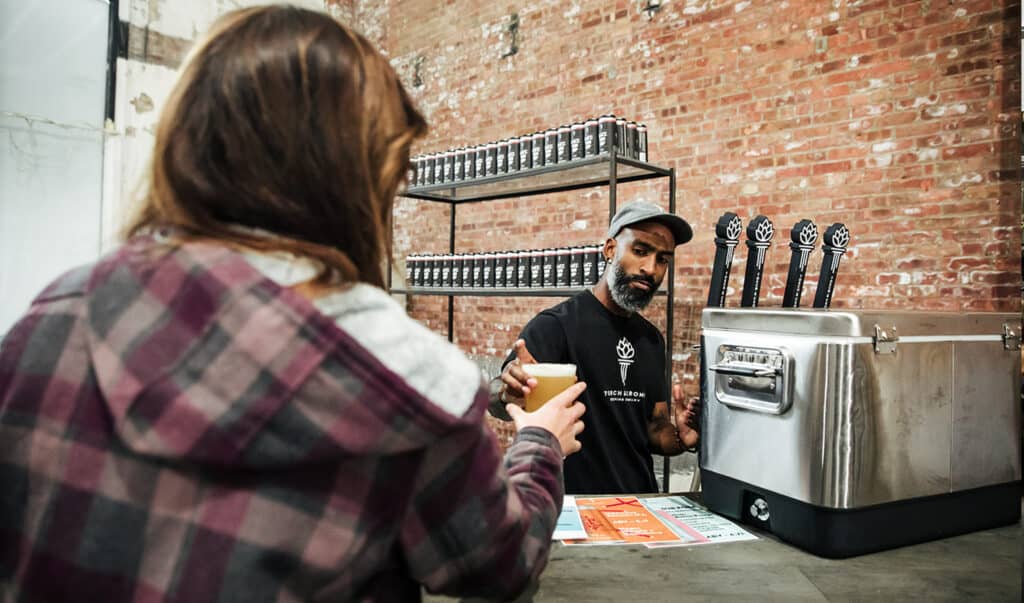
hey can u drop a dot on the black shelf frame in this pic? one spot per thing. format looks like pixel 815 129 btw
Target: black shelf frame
pixel 590 172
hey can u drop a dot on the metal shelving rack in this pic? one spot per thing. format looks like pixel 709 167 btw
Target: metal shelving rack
pixel 604 170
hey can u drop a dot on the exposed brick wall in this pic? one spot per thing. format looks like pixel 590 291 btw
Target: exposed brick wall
pixel 900 118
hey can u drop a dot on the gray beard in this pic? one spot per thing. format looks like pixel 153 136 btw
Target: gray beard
pixel 629 299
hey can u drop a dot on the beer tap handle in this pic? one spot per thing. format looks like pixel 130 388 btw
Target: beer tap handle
pixel 836 240
pixel 802 239
pixel 728 232
pixel 759 237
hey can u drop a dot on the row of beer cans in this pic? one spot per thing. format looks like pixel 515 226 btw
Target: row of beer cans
pixel 563 267
pixel 590 138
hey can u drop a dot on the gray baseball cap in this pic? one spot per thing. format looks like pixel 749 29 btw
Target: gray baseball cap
pixel 644 211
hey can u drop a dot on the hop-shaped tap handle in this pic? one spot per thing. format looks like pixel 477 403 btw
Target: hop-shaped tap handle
pixel 760 230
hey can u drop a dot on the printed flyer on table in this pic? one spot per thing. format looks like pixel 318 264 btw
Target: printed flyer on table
pixel 654 522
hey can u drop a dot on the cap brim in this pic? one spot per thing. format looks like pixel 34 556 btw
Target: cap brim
pixel 681 230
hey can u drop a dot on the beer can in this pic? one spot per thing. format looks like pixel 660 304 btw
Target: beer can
pixel 522 269
pixel 421 170
pixel 501 158
pixel 537 148
pixel 601 263
pixel 548 268
pixel 605 134
pixel 480 155
pixel 478 270
pixel 422 270
pixel 449 166
pixel 551 146
pixel 536 265
pixel 591 258
pixel 562 267
pixel 456 260
pixel 641 142
pixel 525 152
pixel 410 272
pixel 620 136
pixel 513 155
pixel 460 165
pixel 491 159
pixel 429 175
pixel 468 163
pixel 511 269
pixel 488 271
pixel 576 141
pixel 446 271
pixel 576 267
pixel 438 168
pixel 590 138
pixel 435 270
pixel 500 260
pixel 564 144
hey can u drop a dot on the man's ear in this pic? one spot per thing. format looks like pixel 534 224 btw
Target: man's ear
pixel 609 250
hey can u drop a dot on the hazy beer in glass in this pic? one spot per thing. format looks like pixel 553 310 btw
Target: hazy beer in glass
pixel 552 379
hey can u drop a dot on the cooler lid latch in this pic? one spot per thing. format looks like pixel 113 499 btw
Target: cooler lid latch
pixel 1011 338
pixel 885 339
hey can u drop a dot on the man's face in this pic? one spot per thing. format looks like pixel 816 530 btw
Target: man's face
pixel 640 258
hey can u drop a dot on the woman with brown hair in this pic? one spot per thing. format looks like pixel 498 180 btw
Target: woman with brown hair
pixel 229 406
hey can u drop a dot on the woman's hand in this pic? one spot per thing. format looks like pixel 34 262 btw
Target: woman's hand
pixel 559 415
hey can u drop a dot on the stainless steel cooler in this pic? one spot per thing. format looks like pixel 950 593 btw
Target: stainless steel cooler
pixel 851 432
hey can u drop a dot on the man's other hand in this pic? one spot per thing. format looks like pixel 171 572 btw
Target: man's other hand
pixel 687 416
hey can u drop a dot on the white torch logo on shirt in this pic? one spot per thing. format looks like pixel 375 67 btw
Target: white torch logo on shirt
pixel 625 351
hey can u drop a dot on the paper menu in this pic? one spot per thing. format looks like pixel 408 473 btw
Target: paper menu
pixel 654 522
pixel 570 525
pixel 620 520
pixel 691 520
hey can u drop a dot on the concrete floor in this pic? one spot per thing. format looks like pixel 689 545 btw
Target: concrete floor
pixel 982 566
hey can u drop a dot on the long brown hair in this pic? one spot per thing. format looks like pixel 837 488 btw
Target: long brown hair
pixel 287 121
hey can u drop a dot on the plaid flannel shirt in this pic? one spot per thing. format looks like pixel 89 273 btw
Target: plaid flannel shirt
pixel 175 426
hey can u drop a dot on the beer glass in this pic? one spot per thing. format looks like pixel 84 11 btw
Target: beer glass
pixel 552 379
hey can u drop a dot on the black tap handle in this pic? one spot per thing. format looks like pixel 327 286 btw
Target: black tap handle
pixel 802 239
pixel 836 240
pixel 759 237
pixel 728 230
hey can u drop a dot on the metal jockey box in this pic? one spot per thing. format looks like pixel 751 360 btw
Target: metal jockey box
pixel 848 432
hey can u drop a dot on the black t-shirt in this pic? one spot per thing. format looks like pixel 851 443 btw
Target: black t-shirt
pixel 622 360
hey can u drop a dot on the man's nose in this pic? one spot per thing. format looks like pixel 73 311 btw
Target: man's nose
pixel 647 265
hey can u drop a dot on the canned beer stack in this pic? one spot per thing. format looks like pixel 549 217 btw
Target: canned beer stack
pixel 591 138
pixel 562 267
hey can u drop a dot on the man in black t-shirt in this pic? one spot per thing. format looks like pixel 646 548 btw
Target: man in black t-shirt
pixel 619 354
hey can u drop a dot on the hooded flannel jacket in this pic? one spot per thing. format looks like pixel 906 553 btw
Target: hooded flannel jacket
pixel 177 426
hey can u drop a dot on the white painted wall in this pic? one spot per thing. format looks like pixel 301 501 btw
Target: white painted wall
pixel 52 90
pixel 67 181
pixel 128 155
